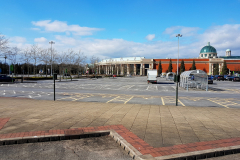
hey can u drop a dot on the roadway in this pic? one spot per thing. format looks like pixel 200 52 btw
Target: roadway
pixel 133 90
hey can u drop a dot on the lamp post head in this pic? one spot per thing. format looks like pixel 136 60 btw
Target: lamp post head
pixel 178 35
pixel 51 42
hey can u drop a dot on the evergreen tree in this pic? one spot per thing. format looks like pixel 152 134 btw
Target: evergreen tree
pixel 170 66
pixel 193 65
pixel 182 67
pixel 216 69
pixel 224 69
pixel 159 68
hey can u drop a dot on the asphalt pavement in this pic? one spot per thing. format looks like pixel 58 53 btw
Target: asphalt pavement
pixel 133 90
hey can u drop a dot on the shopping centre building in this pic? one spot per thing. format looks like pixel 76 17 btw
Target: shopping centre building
pixel 207 61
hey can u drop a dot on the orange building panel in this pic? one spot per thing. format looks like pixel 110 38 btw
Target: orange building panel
pixel 201 64
pixel 233 65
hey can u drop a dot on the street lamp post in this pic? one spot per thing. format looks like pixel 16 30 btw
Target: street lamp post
pixel 51 42
pixel 178 35
pixel 9 52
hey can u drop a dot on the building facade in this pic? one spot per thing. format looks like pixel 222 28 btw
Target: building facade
pixel 207 61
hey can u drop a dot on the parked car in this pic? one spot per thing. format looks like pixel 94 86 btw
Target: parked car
pixel 5 78
pixel 210 79
pixel 220 78
pixel 236 79
pixel 66 74
pixel 212 76
pixel 225 76
pixel 229 78
pixel 215 77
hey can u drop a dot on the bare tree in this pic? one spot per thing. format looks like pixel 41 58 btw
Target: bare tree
pixel 80 60
pixel 3 43
pixel 69 60
pixel 26 57
pixel 61 60
pixel 13 57
pixel 94 60
pixel 45 57
pixel 55 56
pixel 35 55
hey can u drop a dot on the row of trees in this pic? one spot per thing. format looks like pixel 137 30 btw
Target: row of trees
pixel 34 59
pixel 182 68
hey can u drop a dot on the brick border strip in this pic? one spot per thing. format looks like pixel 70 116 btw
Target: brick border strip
pixel 3 121
pixel 202 154
pixel 136 147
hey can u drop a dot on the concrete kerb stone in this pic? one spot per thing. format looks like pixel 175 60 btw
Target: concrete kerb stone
pixel 54 137
pixel 133 152
pixel 202 154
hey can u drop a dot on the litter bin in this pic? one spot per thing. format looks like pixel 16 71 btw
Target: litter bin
pixel 176 78
pixel 54 75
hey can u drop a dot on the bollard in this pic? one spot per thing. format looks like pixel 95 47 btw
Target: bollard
pixel 54 78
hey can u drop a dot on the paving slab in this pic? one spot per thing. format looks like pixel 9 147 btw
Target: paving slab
pixel 169 124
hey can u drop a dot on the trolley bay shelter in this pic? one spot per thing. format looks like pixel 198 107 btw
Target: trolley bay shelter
pixel 207 61
pixel 194 79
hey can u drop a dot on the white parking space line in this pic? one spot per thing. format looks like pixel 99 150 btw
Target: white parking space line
pixel 130 87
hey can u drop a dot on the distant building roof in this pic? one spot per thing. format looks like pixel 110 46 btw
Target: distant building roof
pixel 123 59
pixel 230 57
pixel 228 50
pixel 208 49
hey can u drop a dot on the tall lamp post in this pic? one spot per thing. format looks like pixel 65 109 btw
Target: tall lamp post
pixel 177 78
pixel 51 42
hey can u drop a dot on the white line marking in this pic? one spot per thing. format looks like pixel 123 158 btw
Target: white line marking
pixel 130 87
pixel 147 87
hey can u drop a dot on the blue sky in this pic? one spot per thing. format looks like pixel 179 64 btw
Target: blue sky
pixel 109 29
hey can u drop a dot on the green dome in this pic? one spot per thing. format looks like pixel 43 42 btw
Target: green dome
pixel 208 49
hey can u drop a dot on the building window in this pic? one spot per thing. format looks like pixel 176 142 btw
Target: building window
pixel 201 55
pixel 209 55
pixel 205 55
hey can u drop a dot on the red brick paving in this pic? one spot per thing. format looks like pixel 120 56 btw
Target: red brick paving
pixel 131 138
pixel 3 121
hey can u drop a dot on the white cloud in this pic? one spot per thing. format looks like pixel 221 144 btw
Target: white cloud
pixel 60 26
pixel 221 37
pixel 40 40
pixel 150 37
pixel 36 29
pixel 185 31
pixel 18 39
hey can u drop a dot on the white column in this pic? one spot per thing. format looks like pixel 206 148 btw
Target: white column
pixel 141 72
pixel 121 69
pixel 135 69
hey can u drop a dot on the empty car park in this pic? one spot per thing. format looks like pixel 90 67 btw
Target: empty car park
pixel 127 90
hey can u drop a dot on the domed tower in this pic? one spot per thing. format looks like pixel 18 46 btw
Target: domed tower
pixel 228 52
pixel 208 51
